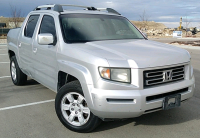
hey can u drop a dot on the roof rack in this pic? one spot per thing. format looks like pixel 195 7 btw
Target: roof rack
pixel 109 10
pixel 59 8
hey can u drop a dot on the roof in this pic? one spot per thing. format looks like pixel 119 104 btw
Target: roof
pixel 89 10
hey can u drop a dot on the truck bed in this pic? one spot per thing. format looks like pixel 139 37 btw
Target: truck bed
pixel 13 35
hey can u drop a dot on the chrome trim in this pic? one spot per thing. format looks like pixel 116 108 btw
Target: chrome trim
pixel 153 76
pixel 178 68
pixel 178 75
pixel 166 75
pixel 147 74
pixel 179 71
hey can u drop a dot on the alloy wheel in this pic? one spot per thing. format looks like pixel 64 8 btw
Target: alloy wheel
pixel 74 109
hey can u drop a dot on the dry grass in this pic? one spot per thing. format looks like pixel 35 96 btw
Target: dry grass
pixel 151 25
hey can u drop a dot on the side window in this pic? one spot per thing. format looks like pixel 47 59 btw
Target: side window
pixel 30 26
pixel 48 26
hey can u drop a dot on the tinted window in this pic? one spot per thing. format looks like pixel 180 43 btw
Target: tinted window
pixel 86 27
pixel 48 26
pixel 30 26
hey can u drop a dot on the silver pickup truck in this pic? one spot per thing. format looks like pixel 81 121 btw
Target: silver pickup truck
pixel 101 66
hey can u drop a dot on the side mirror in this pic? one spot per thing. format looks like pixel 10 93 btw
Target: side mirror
pixel 145 34
pixel 45 39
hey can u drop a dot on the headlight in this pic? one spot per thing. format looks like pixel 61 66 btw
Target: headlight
pixel 116 74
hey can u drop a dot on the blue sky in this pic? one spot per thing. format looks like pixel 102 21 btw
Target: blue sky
pixel 168 11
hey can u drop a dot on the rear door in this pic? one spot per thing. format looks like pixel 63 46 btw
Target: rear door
pixel 25 44
pixel 45 63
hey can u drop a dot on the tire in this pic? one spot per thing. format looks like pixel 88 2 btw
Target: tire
pixel 75 115
pixel 18 77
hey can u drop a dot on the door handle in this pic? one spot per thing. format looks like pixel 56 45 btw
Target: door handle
pixel 20 44
pixel 34 50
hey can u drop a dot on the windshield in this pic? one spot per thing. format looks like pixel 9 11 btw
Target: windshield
pixel 89 27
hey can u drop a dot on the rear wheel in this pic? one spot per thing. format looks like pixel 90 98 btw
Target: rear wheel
pixel 72 110
pixel 18 77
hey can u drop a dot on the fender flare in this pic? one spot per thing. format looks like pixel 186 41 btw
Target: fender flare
pixel 82 74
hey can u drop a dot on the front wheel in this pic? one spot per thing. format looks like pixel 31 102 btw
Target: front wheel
pixel 72 110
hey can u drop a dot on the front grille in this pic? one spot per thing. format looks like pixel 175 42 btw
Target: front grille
pixel 155 97
pixel 162 76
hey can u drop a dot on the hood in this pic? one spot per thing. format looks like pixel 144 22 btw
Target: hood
pixel 137 53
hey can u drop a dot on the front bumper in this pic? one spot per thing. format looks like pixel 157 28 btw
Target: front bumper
pixel 133 103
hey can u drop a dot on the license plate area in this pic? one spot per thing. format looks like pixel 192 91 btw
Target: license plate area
pixel 172 101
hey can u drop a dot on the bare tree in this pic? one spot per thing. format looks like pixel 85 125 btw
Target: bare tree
pixel 144 20
pixel 16 15
pixel 187 23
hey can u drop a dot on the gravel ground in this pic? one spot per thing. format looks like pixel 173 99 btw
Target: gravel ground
pixel 3 41
pixel 190 43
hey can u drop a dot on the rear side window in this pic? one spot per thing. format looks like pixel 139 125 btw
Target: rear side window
pixel 30 26
pixel 48 26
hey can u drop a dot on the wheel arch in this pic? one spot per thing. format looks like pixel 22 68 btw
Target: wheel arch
pixel 11 53
pixel 76 72
pixel 64 78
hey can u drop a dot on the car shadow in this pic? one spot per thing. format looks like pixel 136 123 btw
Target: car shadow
pixel 170 117
pixel 31 82
pixel 188 111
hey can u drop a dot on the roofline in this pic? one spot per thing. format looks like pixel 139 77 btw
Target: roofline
pixel 59 8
